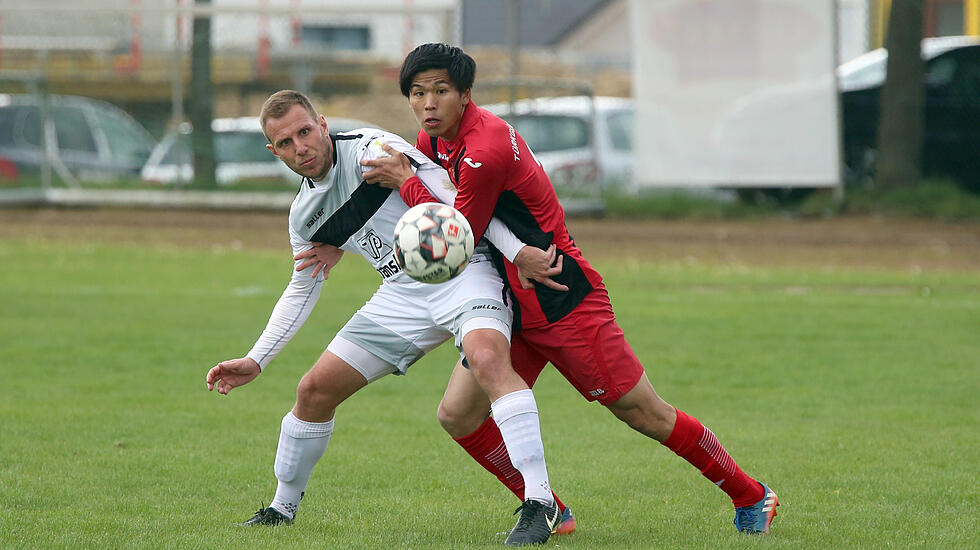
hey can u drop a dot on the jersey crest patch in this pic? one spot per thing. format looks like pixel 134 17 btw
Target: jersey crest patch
pixel 375 247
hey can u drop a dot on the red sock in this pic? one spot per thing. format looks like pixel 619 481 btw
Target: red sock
pixel 486 446
pixel 695 443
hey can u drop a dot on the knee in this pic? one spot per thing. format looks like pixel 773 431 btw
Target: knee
pixel 459 422
pixel 653 418
pixel 311 390
pixel 483 357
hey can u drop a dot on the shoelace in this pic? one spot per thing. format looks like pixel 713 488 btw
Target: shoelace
pixel 524 523
pixel 746 516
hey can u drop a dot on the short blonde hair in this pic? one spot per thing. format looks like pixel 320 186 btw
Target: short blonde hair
pixel 280 103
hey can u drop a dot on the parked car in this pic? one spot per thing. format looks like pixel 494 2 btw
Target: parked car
pixel 240 150
pixel 951 144
pixel 579 140
pixel 92 139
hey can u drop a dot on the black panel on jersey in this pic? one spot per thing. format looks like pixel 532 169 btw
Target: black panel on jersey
pixel 363 203
pixel 349 218
pixel 434 143
pixel 518 218
pixel 554 303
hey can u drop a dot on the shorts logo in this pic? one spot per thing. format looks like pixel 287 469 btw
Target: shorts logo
pixel 485 306
pixel 597 392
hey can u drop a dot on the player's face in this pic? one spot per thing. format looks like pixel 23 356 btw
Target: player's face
pixel 437 104
pixel 301 141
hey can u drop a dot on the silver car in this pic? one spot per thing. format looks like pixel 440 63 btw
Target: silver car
pixel 91 139
pixel 239 146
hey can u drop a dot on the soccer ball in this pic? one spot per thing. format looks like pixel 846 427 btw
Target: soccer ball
pixel 433 242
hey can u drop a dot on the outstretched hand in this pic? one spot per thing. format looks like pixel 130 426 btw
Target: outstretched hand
pixel 230 374
pixel 534 264
pixel 323 256
pixel 390 171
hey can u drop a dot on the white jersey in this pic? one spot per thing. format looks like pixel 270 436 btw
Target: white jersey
pixel 345 211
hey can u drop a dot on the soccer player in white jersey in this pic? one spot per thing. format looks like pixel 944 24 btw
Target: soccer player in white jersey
pixel 387 334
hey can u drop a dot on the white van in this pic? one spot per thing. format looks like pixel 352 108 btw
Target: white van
pixel 580 140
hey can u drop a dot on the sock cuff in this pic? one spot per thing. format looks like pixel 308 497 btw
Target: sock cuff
pixel 513 404
pixel 301 429
pixel 479 434
pixel 683 433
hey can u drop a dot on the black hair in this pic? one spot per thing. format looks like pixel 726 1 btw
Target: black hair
pixel 459 65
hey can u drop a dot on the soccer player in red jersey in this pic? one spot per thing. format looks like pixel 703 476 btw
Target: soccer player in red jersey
pixel 574 327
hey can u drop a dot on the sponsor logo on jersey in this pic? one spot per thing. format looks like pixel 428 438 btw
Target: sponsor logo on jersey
pixel 389 269
pixel 472 164
pixel 442 156
pixel 317 216
pixel 513 143
pixel 374 245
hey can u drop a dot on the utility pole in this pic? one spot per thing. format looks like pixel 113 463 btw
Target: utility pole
pixel 202 101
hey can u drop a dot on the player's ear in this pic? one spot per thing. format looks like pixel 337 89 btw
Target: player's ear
pixel 465 96
pixel 271 149
pixel 323 124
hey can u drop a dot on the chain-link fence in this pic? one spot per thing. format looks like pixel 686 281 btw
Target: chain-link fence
pixel 99 94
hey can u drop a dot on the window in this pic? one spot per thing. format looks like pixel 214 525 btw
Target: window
pixel 30 126
pixel 71 127
pixel 544 133
pixel 8 117
pixel 620 124
pixel 242 147
pixel 338 38
pixel 128 143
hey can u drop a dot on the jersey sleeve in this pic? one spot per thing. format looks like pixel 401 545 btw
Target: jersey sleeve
pixel 291 311
pixel 480 178
pixel 503 239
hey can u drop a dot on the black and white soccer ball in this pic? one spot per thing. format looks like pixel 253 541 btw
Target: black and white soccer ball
pixel 433 242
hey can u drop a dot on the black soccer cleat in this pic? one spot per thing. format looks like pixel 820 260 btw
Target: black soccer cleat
pixel 535 524
pixel 266 516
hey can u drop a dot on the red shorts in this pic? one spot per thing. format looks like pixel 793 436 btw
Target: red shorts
pixel 586 346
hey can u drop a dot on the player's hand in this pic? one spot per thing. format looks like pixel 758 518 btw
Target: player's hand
pixel 390 172
pixel 231 374
pixel 323 256
pixel 534 264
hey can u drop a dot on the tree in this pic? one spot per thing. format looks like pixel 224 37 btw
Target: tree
pixel 900 124
pixel 201 101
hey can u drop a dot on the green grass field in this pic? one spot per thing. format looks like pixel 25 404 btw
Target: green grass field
pixel 852 393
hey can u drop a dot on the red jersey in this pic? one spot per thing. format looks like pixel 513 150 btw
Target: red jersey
pixel 495 174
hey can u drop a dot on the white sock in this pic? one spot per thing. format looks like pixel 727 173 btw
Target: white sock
pixel 301 444
pixel 516 414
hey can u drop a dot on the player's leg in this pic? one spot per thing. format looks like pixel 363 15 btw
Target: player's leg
pixel 599 357
pixel 465 414
pixel 481 323
pixel 305 432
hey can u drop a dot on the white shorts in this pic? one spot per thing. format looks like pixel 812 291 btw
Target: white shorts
pixel 404 321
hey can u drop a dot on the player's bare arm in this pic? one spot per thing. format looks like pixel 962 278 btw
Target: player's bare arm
pixel 232 373
pixel 322 256
pixel 391 171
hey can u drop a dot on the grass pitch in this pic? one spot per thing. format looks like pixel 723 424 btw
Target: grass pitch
pixel 853 393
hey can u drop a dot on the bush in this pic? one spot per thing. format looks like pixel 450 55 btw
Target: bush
pixel 932 198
